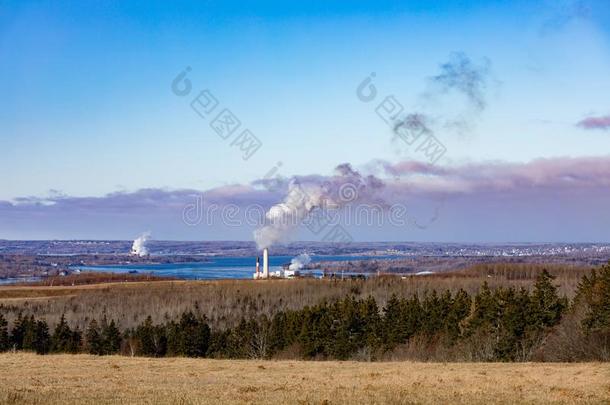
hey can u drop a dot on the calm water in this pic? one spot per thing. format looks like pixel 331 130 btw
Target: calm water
pixel 217 267
pixel 15 280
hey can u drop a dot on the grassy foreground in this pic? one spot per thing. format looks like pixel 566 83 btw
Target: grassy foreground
pixel 66 379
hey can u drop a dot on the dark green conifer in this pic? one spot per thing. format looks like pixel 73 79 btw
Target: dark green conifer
pixel 5 343
pixel 546 305
pixel 62 340
pixel 111 337
pixel 18 332
pixel 93 339
pixel 41 343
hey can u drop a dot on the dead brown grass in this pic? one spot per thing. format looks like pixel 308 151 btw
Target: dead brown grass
pixel 96 278
pixel 69 379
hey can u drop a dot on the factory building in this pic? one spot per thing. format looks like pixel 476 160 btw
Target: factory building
pixel 266 274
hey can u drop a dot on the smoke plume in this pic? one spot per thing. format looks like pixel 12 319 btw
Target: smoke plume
pixel 462 75
pixel 411 127
pixel 305 194
pixel 139 245
pixel 297 263
pixel 459 75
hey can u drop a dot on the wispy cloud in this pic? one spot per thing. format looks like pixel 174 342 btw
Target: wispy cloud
pixel 411 177
pixel 602 122
pixel 541 174
pixel 142 200
pixel 508 195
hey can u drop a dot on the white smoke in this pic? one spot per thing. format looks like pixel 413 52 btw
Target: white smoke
pixel 306 194
pixel 139 245
pixel 297 263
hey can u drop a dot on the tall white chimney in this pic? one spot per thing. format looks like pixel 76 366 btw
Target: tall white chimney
pixel 257 267
pixel 265 263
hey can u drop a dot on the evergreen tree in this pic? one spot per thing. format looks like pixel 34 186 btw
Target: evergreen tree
pixel 546 305
pixel 411 317
pixel 75 342
pixel 593 294
pixel 239 341
pixel 29 335
pixel 111 337
pixel 512 323
pixel 5 343
pixel 144 332
pixel 201 339
pixel 316 332
pixel 18 333
pixel 190 337
pixel 62 340
pixel 93 339
pixel 219 343
pixel 152 339
pixel 459 310
pixel 371 323
pixel 278 335
pixel 434 308
pixel 42 340
pixel 346 329
pixel 484 313
pixel 393 327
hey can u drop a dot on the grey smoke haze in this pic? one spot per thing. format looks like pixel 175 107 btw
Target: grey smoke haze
pixel 411 127
pixel 460 74
pixel 413 122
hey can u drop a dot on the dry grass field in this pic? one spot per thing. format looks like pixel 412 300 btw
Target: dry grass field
pixel 69 379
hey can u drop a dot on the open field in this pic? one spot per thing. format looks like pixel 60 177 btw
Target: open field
pixel 66 379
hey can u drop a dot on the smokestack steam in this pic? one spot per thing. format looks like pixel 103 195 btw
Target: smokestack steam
pixel 139 245
pixel 305 194
pixel 297 263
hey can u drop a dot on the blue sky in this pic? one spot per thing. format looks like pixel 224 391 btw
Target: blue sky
pixel 87 106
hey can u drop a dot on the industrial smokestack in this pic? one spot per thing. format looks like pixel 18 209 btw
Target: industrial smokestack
pixel 258 266
pixel 265 263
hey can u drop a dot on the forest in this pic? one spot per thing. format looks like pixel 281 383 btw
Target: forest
pixel 493 324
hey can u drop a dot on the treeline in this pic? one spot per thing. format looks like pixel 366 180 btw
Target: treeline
pixel 503 324
pixel 225 302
